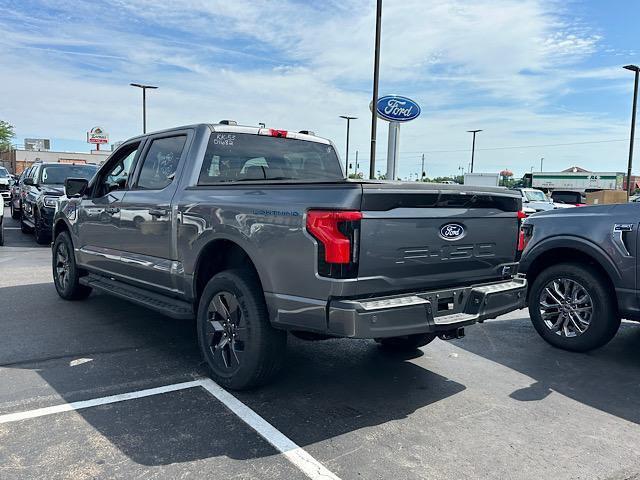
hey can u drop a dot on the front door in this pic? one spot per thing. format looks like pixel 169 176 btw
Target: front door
pixel 146 217
pixel 99 213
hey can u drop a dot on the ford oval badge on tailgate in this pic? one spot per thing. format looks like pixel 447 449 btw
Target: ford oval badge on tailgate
pixel 452 231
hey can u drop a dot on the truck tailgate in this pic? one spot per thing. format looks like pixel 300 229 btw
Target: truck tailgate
pixel 435 237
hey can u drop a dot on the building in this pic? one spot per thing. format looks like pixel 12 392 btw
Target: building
pixel 16 160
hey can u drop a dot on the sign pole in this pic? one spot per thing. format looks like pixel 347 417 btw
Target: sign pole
pixel 392 150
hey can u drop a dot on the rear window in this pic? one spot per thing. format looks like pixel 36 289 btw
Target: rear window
pixel 57 174
pixel 567 197
pixel 237 157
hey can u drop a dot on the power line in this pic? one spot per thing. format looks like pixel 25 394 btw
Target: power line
pixel 514 147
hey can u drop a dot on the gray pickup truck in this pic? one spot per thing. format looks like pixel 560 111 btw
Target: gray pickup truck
pixel 582 265
pixel 256 232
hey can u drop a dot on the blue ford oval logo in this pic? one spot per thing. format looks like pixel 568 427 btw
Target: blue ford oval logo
pixel 397 109
pixel 452 231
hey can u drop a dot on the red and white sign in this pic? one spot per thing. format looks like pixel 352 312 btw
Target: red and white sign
pixel 97 135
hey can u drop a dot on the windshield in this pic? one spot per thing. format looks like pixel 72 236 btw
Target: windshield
pixel 236 157
pixel 3 172
pixel 57 174
pixel 535 196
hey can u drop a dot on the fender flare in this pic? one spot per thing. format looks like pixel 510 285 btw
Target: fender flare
pixel 572 243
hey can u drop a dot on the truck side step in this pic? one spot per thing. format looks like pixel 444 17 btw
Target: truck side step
pixel 161 303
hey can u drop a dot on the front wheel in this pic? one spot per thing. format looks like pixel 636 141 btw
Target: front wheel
pixel 407 343
pixel 236 338
pixel 40 232
pixel 572 308
pixel 1 231
pixel 66 275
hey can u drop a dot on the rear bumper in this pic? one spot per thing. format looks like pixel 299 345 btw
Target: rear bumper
pixel 425 312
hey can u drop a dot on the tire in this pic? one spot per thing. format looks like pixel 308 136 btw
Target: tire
pixel 42 236
pixel 233 303
pixel 69 289
pixel 579 323
pixel 24 228
pixel 408 343
pixel 15 214
pixel 1 231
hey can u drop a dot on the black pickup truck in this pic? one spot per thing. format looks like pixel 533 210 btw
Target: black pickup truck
pixel 256 232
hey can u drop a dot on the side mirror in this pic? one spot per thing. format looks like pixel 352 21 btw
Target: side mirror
pixel 75 187
pixel 28 181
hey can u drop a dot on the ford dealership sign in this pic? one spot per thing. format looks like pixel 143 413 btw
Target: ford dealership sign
pixel 395 108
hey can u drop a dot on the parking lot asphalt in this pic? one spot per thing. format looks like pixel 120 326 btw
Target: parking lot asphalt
pixel 499 403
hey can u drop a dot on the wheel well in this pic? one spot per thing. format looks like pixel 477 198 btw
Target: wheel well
pixel 59 227
pixel 566 255
pixel 217 256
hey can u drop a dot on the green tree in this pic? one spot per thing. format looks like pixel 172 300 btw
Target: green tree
pixel 6 135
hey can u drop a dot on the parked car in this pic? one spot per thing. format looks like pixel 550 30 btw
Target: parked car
pixel 582 270
pixel 567 197
pixel 5 184
pixel 17 192
pixel 1 227
pixel 42 187
pixel 535 199
pixel 256 232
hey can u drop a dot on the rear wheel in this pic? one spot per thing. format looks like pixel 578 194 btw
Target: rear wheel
pixel 24 228
pixel 1 231
pixel 15 214
pixel 66 274
pixel 407 343
pixel 572 308
pixel 236 338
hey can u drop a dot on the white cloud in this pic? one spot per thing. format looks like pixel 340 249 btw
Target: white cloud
pixel 499 65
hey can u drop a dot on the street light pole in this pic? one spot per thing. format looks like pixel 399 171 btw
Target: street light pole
pixel 422 170
pixel 348 119
pixel 636 69
pixel 144 102
pixel 374 101
pixel 473 147
pixel 541 162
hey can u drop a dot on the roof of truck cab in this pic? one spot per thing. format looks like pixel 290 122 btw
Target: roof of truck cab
pixel 252 130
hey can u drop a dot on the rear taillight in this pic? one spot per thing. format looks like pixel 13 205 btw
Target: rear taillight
pixel 521 240
pixel 337 233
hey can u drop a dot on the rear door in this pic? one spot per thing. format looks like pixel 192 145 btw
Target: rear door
pixel 147 239
pixel 426 236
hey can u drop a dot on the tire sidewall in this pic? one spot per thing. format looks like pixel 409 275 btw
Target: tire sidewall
pixel 604 320
pixel 252 308
pixel 72 285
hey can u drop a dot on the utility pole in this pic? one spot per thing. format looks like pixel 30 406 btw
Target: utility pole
pixel 422 170
pixel 144 102
pixel 357 164
pixel 348 119
pixel 473 147
pixel 541 161
pixel 374 101
pixel 636 69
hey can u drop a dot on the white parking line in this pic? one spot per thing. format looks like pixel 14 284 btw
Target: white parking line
pixel 290 450
pixel 12 228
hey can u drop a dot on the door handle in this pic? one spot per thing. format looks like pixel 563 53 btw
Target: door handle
pixel 158 212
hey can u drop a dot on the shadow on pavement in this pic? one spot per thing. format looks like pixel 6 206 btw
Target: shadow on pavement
pixel 606 379
pixel 326 389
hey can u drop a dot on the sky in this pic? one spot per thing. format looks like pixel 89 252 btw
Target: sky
pixel 541 78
